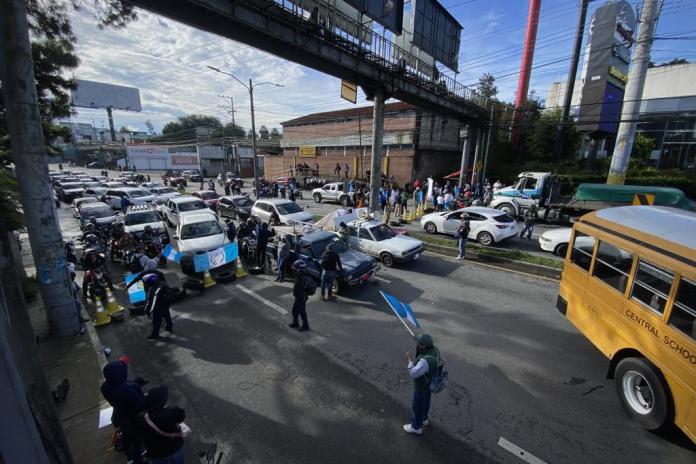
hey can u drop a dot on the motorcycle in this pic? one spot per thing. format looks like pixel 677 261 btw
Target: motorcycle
pixel 95 284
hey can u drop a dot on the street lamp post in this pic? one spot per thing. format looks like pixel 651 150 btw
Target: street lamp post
pixel 250 88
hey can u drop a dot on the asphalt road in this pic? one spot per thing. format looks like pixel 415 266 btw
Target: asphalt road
pixel 261 392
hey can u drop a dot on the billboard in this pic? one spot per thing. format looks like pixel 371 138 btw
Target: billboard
pixel 159 157
pixel 607 58
pixel 388 13
pixel 91 94
pixel 436 32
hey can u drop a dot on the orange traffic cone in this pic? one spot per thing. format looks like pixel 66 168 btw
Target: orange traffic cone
pixel 112 306
pixel 240 272
pixel 208 280
pixel 101 318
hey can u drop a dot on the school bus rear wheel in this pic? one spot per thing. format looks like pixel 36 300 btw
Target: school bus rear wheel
pixel 643 393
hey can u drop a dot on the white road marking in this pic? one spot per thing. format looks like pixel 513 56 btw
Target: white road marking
pixel 382 279
pixel 519 452
pixel 256 296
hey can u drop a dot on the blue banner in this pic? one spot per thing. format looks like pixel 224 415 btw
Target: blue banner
pixel 216 258
pixel 171 254
pixel 136 292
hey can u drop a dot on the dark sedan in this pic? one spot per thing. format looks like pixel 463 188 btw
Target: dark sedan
pixel 234 206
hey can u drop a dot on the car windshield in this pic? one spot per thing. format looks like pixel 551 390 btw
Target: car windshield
pixel 142 217
pixel 200 229
pixel 208 195
pixel 97 213
pixel 288 208
pixel 503 218
pixel 84 201
pixel 338 244
pixel 164 190
pixel 138 193
pixel 382 232
pixel 192 205
pixel 242 201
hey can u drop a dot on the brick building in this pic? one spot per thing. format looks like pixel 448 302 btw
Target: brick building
pixel 417 143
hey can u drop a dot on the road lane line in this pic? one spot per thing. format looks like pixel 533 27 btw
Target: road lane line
pixel 256 296
pixel 526 456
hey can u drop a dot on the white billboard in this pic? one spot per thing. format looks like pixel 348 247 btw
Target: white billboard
pixel 91 94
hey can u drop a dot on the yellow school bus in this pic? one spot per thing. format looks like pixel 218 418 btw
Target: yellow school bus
pixel 629 285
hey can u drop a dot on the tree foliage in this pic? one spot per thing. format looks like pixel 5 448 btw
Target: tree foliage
pixel 486 86
pixel 275 134
pixel 542 140
pixel 264 134
pixel 643 146
pixel 185 126
pixel 234 130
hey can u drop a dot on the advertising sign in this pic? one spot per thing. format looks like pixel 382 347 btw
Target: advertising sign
pixel 388 13
pixel 436 32
pixel 90 94
pixel 308 151
pixel 349 91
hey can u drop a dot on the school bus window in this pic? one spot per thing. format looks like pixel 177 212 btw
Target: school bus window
pixel 581 254
pixel 612 265
pixel 684 310
pixel 651 286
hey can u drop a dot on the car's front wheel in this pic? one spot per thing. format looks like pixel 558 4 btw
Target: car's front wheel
pixel 485 238
pixel 561 250
pixel 317 198
pixel 387 259
pixel 335 287
pixel 430 227
pixel 508 209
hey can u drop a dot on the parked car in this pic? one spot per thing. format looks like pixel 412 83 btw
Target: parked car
pixel 209 197
pixel 79 202
pixel 68 191
pixel 95 165
pixel 234 179
pixel 288 211
pixel 151 185
pixel 114 184
pixel 488 225
pixel 136 196
pixel 177 207
pixel 173 177
pixel 192 175
pixel 96 192
pixel 282 180
pixel 333 192
pixel 100 179
pixel 162 194
pixel 101 211
pixel 556 241
pixel 357 267
pixel 379 240
pixel 235 206
pixel 137 217
pixel 199 232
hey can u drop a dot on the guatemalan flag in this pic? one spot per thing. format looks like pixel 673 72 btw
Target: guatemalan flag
pixel 136 292
pixel 171 254
pixel 402 310
pixel 216 258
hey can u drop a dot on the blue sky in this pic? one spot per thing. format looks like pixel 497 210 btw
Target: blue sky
pixel 167 61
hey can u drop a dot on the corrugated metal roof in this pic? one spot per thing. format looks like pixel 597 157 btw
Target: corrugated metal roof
pixel 326 116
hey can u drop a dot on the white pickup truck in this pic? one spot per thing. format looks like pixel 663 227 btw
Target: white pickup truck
pixel 333 192
pixel 379 240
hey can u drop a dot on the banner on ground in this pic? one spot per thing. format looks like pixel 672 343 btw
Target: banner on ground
pixel 136 292
pixel 216 258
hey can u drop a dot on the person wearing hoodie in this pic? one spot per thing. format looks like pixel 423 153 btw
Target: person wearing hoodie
pixel 262 236
pixel 127 398
pixel 162 428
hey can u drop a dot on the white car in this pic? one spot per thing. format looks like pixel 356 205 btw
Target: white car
pixel 79 202
pixel 488 225
pixel 288 211
pixel 379 240
pixel 101 211
pixel 96 192
pixel 175 208
pixel 199 232
pixel 162 194
pixel 556 241
pixel 138 217
pixel 151 185
pixel 136 196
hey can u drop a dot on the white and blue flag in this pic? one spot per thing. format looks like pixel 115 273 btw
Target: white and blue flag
pixel 171 254
pixel 216 258
pixel 136 292
pixel 401 309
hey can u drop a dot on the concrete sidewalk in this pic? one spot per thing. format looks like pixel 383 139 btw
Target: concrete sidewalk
pixel 78 359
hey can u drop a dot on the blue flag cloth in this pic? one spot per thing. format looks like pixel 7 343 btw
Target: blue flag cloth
pixel 136 293
pixel 171 254
pixel 403 310
pixel 216 258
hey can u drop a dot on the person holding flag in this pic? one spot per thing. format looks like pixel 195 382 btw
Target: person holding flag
pixel 421 369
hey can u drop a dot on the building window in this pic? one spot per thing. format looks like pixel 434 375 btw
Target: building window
pixel 651 286
pixel 684 310
pixel 612 265
pixel 581 254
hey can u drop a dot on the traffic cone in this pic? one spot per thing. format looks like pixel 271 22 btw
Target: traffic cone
pixel 208 280
pixel 102 318
pixel 419 210
pixel 240 272
pixel 112 306
pixel 410 215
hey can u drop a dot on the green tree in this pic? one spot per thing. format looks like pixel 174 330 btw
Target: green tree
pixel 185 126
pixel 275 134
pixel 542 140
pixel 124 129
pixel 486 86
pixel 250 134
pixel 150 128
pixel 234 130
pixel 264 134
pixel 640 153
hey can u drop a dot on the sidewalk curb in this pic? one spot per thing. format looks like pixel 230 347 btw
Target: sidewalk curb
pixel 529 268
pixel 96 341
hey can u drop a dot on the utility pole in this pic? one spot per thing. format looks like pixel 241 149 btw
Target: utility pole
pixel 377 138
pixel 477 150
pixel 29 155
pixel 464 134
pixel 110 114
pixel 250 88
pixel 570 83
pixel 634 93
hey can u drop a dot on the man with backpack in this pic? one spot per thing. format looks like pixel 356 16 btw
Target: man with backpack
pixel 330 264
pixel 304 287
pixel 423 369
